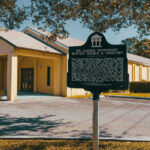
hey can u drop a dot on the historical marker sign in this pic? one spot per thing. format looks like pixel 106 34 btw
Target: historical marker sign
pixel 98 65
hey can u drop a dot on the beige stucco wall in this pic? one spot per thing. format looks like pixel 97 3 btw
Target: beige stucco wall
pixel 40 73
pixel 42 65
pixel 58 72
pixel 24 62
pixel 5 48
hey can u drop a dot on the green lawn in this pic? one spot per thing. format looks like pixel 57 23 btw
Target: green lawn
pixel 70 145
pixel 115 94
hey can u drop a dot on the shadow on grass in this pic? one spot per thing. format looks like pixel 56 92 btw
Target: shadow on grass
pixel 25 126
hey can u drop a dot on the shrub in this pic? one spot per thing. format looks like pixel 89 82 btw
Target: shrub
pixel 139 87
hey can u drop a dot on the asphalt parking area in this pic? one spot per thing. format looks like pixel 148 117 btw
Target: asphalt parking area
pixel 58 117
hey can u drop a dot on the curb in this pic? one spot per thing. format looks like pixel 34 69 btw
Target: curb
pixel 72 138
pixel 119 96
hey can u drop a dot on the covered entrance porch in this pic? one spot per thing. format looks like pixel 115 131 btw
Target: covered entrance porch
pixel 32 72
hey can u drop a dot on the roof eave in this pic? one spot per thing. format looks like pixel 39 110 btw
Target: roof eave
pixel 4 39
pixel 25 48
pixel 56 42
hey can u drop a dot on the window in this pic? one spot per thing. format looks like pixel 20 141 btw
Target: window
pixel 48 76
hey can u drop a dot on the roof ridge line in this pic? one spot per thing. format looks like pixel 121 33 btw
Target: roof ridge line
pixel 49 45
pixel 59 43
pixel 138 56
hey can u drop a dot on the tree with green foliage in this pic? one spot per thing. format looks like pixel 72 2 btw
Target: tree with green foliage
pixel 131 42
pixel 142 46
pixel 11 15
pixel 97 15
pixel 137 46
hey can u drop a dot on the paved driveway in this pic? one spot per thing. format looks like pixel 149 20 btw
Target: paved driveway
pixel 63 117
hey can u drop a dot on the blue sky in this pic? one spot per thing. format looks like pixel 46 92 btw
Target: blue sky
pixel 76 29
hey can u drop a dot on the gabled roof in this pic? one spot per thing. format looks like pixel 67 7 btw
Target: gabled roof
pixel 22 40
pixel 139 59
pixel 66 43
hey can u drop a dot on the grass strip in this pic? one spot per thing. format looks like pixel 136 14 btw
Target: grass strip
pixel 70 145
pixel 147 95
pixel 129 94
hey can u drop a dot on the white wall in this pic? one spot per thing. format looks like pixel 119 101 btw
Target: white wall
pixel 144 73
pixel 137 69
pixel 76 91
pixel 130 72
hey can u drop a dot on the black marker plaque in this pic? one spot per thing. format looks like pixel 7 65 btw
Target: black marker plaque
pixel 98 65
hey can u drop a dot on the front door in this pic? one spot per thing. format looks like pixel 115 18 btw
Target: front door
pixel 27 79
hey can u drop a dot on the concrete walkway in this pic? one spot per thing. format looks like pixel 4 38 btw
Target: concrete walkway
pixel 56 117
pixel 28 95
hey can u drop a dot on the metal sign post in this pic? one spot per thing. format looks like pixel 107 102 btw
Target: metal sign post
pixel 97 66
pixel 96 98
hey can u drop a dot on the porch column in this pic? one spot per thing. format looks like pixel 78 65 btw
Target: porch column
pixel 140 73
pixel 57 77
pixel 12 67
pixel 133 72
pixel 148 74
pixel 35 75
pixel 64 76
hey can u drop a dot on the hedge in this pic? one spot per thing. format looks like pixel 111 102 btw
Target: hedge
pixel 139 87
